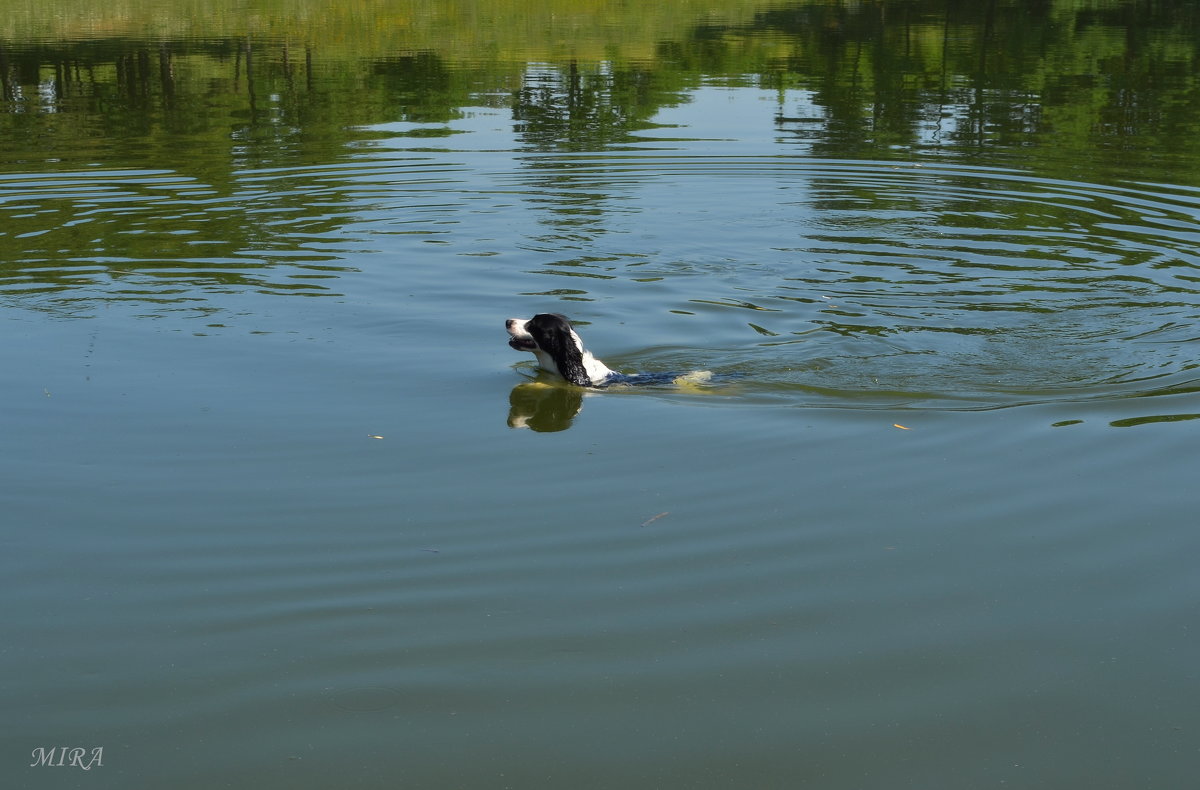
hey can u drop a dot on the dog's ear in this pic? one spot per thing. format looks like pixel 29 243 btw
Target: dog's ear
pixel 567 355
pixel 562 344
pixel 574 372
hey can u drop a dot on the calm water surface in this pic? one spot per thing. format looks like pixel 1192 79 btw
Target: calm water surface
pixel 282 509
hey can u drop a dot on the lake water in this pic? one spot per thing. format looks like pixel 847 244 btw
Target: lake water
pixel 282 509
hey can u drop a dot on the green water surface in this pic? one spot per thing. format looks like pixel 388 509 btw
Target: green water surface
pixel 282 508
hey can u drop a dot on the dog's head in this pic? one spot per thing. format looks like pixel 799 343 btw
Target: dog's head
pixel 551 338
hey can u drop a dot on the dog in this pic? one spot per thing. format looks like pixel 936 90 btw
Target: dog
pixel 559 350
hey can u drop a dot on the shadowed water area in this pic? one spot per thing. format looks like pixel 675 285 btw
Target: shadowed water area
pixel 283 509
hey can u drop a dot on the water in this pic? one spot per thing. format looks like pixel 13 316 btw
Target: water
pixel 282 509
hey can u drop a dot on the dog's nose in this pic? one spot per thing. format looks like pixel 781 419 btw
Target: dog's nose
pixel 508 324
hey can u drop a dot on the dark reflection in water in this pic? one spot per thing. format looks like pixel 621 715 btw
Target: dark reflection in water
pixel 1100 80
pixel 1150 420
pixel 544 408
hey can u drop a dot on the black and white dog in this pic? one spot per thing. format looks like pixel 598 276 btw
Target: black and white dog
pixel 559 349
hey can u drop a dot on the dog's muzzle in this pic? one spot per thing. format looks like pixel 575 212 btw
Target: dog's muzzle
pixel 518 337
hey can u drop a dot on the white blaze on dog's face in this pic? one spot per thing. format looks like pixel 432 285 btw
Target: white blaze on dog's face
pixel 551 338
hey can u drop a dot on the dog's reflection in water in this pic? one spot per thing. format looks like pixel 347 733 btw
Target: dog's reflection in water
pixel 551 405
pixel 543 407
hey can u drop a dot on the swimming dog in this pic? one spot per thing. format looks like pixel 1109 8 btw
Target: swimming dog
pixel 559 350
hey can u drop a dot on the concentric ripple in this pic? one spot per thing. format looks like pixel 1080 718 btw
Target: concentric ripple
pixel 875 283
pixel 845 282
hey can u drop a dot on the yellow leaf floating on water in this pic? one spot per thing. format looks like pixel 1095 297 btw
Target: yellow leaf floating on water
pixel 901 427
pixel 373 436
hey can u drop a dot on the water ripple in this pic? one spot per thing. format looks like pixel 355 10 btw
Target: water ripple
pixel 878 283
pixel 849 282
pixel 154 237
